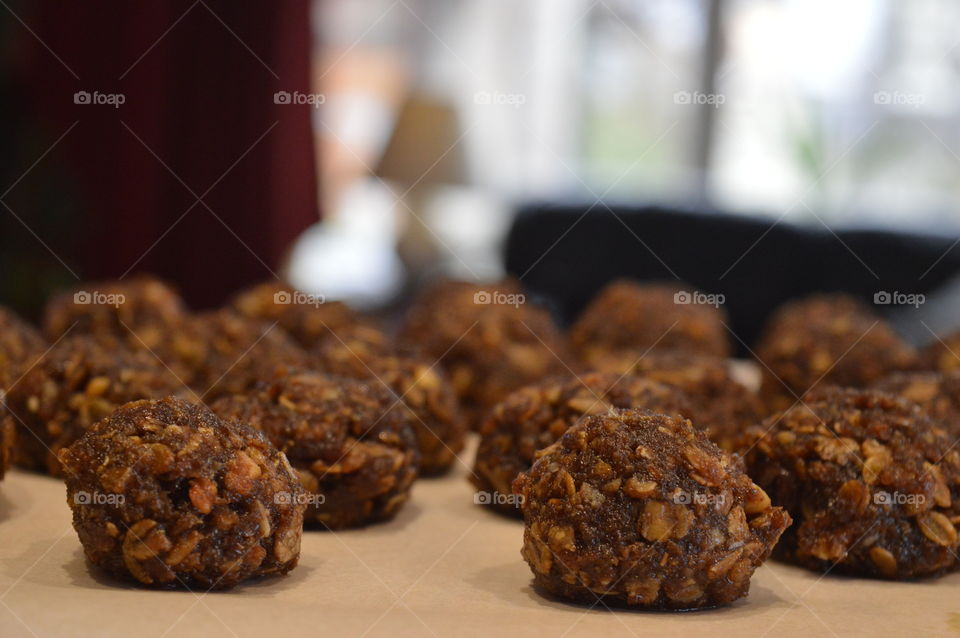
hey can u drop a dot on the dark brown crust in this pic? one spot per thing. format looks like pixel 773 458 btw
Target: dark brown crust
pixel 20 345
pixel 226 353
pixel 826 340
pixel 350 443
pixel 942 354
pixel 75 384
pixel 937 393
pixel 644 510
pixel 307 323
pixel 165 494
pixel 150 309
pixel 362 352
pixel 625 314
pixel 536 416
pixel 487 349
pixel 724 407
pixel 872 483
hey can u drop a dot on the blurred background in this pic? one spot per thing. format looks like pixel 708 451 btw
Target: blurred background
pixel 758 148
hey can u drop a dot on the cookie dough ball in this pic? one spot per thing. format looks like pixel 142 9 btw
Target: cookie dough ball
pixel 365 353
pixel 643 509
pixel 166 494
pixel 226 353
pixel 826 340
pixel 871 482
pixel 349 442
pixel 140 311
pixel 75 384
pixel 937 393
pixel 20 345
pixel 724 406
pixel 487 346
pixel 307 318
pixel 536 416
pixel 626 314
pixel 942 354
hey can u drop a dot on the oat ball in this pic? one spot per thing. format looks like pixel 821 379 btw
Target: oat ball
pixel 488 346
pixel 626 314
pixel 871 482
pixel 826 340
pixel 942 354
pixel 643 509
pixel 937 393
pixel 307 318
pixel 225 353
pixel 536 416
pixel 8 437
pixel 20 345
pixel 167 495
pixel 362 352
pixel 78 382
pixel 140 311
pixel 724 406
pixel 349 442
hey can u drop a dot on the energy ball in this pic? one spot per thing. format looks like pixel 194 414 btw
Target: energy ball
pixel 870 480
pixel 167 495
pixel 536 416
pixel 349 442
pixel 942 354
pixel 724 406
pixel 365 353
pixel 78 382
pixel 307 318
pixel 8 437
pixel 643 509
pixel 937 393
pixel 20 345
pixel 826 340
pixel 626 314
pixel 487 338
pixel 140 311
pixel 226 353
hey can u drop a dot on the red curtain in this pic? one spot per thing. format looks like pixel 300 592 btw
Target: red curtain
pixel 198 122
